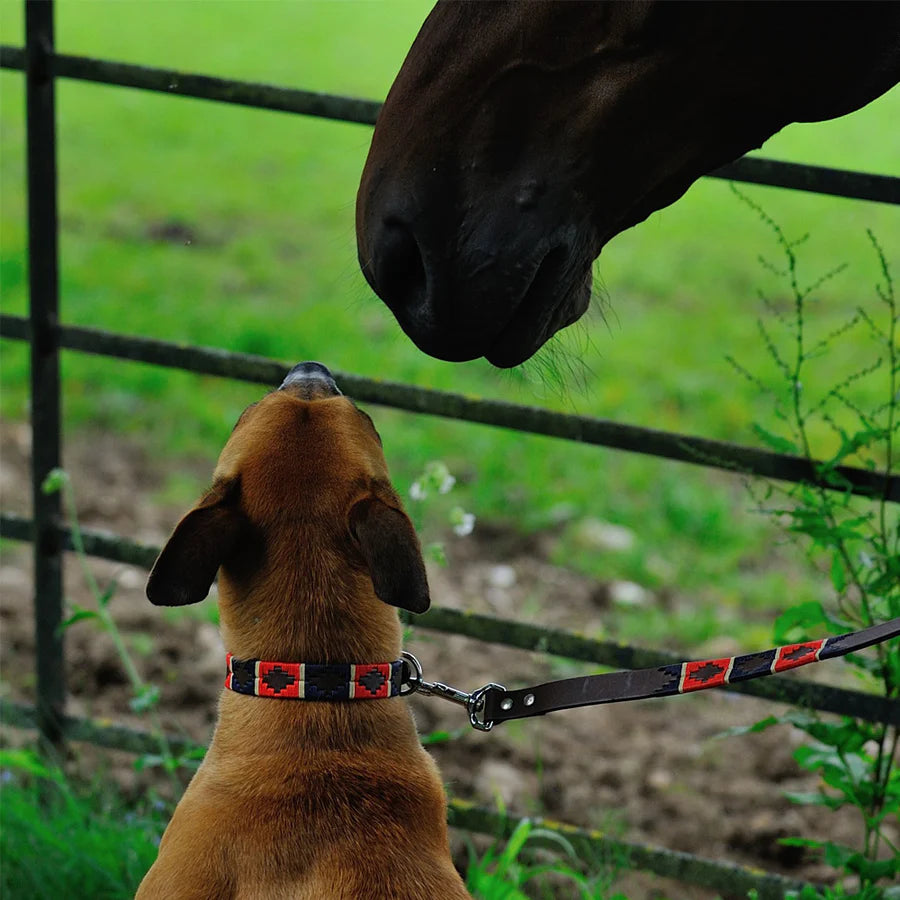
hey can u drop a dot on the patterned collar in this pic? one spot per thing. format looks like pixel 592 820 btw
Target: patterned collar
pixel 314 681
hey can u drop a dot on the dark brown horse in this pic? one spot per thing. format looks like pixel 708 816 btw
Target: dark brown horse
pixel 520 137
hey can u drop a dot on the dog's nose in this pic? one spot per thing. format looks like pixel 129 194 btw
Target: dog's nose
pixel 312 379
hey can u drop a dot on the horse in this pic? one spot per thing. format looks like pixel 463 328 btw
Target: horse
pixel 519 137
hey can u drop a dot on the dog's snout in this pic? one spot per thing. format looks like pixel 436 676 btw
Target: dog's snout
pixel 312 379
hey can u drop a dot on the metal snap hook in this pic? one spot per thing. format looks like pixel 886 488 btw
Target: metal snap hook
pixel 476 705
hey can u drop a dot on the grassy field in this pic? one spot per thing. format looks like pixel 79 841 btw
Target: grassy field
pixel 60 834
pixel 231 227
pixel 86 839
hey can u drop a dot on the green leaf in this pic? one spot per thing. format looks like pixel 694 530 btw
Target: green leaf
pixel 149 761
pixel 436 552
pixel 77 616
pixel 808 892
pixel 107 595
pixel 25 761
pixel 838 856
pixel 145 699
pixel 802 616
pixel 442 737
pixel 182 762
pixel 838 575
pixel 872 666
pixel 874 869
pixel 850 444
pixel 55 481
pixel 801 842
pixel 811 798
pixel 778 443
pixel 548 836
pixel 492 885
pixel 844 736
pixel 831 476
pixel 514 846
pixel 755 728
pixel 887 579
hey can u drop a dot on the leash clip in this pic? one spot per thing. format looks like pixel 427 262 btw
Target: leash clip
pixel 474 702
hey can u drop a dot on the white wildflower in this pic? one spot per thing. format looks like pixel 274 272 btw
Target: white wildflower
pixel 462 522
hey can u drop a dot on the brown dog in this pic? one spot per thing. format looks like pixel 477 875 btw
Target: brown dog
pixel 299 799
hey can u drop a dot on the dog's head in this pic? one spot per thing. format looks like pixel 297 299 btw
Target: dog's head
pixel 300 495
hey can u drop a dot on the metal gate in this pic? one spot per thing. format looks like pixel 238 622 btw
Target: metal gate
pixel 41 66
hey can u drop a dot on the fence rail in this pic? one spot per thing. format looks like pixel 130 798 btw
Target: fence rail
pixel 555 642
pixel 42 65
pixel 534 420
pixel 751 169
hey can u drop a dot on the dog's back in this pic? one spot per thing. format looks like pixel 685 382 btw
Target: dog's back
pixel 304 799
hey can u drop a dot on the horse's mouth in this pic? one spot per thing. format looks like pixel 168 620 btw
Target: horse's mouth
pixel 536 318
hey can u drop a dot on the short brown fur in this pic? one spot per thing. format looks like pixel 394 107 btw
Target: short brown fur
pixel 299 799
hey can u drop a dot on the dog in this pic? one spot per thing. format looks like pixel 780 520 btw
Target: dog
pixel 329 800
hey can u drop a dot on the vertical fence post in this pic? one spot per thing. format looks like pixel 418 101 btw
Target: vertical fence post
pixel 43 284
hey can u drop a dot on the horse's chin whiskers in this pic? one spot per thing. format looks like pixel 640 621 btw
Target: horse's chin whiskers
pixel 554 372
pixel 601 305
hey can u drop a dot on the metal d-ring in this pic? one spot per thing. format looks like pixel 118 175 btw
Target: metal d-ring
pixel 410 684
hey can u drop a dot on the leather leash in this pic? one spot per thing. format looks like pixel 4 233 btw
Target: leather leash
pixel 493 703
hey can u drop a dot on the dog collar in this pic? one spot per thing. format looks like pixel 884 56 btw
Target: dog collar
pixel 314 681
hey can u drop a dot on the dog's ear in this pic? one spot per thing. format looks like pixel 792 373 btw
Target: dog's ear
pixel 204 538
pixel 391 550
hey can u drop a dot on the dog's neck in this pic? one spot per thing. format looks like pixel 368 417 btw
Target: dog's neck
pixel 299 620
pixel 343 622
pixel 301 612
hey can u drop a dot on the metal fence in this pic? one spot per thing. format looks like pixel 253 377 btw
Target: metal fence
pixel 46 335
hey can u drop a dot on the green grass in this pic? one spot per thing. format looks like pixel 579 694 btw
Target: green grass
pixel 62 838
pixel 506 871
pixel 268 199
pixel 58 840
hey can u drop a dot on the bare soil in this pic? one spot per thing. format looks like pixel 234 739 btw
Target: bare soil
pixel 650 771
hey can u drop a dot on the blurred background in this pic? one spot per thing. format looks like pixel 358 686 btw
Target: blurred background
pixel 230 227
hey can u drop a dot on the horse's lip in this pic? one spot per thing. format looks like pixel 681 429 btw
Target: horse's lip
pixel 522 337
pixel 556 297
pixel 516 344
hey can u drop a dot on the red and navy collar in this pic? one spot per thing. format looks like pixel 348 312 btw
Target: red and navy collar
pixel 314 681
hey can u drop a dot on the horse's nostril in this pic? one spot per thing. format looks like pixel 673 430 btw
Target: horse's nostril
pixel 400 271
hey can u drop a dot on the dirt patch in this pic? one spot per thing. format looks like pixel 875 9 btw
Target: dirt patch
pixel 652 771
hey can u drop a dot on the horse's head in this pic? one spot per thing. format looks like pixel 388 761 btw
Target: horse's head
pixel 519 138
